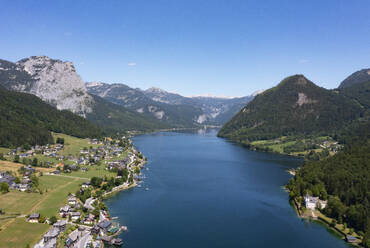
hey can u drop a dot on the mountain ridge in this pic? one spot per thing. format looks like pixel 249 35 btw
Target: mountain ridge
pixel 295 106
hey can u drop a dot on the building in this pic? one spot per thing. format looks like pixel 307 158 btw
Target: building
pixel 51 234
pixel 75 216
pixel 34 218
pixel 52 243
pixel 310 202
pixel 314 202
pixel 64 211
pixel 72 239
pixel 351 239
pixel 85 185
pixel 104 225
pixel 60 225
pixel 72 200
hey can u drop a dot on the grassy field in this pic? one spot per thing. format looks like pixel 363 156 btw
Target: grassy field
pixel 272 144
pixel 72 145
pixel 19 202
pixel 10 166
pixel 278 145
pixel 20 233
pixel 56 196
pixel 4 150
pixel 93 171
pixel 15 203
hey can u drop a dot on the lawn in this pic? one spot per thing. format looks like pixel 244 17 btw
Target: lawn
pixel 20 233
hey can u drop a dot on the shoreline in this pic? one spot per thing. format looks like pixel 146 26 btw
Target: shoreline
pixel 322 221
pixel 292 172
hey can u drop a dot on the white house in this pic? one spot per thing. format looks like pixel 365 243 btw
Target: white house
pixel 75 216
pixel 314 202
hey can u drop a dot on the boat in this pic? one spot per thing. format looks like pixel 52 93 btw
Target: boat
pixel 114 218
pixel 146 188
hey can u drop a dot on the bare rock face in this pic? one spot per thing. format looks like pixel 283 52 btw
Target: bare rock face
pixel 57 83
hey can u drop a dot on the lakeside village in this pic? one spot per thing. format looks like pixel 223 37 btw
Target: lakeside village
pixel 83 221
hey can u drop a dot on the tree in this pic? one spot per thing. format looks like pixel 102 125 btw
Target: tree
pixel 4 187
pixel 96 181
pixel 34 162
pixel 16 159
pixel 34 181
pixel 17 180
pixel 53 220
pixel 60 141
pixel 2 156
pixel 42 219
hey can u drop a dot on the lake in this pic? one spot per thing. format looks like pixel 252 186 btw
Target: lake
pixel 204 191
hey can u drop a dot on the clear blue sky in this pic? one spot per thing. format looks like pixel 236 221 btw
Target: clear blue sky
pixel 193 47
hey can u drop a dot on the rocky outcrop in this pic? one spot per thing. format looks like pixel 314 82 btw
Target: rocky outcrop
pixel 57 83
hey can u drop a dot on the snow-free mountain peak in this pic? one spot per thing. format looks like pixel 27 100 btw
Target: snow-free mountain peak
pixel 57 83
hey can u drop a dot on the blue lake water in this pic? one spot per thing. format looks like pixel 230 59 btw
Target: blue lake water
pixel 205 191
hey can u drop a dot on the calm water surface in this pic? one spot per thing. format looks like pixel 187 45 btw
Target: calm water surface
pixel 207 192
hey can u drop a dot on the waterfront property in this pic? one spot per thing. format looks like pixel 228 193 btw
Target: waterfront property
pixel 314 202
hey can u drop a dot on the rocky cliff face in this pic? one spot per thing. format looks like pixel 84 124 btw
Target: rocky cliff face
pixel 57 83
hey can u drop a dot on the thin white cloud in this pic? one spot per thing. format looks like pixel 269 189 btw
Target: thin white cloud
pixel 67 34
pixel 131 64
pixel 303 61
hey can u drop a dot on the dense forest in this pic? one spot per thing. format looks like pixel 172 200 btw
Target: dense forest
pixel 296 106
pixel 343 179
pixel 26 119
pixel 115 118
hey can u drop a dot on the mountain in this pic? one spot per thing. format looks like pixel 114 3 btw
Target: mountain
pixel 216 110
pixel 54 81
pixel 296 106
pixel 170 108
pixel 360 92
pixel 134 99
pixel 26 119
pixel 57 83
pixel 112 118
pixel 356 78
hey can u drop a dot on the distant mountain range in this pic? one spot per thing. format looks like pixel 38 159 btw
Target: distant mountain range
pixel 170 108
pixel 113 107
pixel 296 106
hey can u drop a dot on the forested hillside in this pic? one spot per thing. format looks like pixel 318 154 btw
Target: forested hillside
pixel 115 118
pixel 26 119
pixel 357 77
pixel 294 107
pixel 343 179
